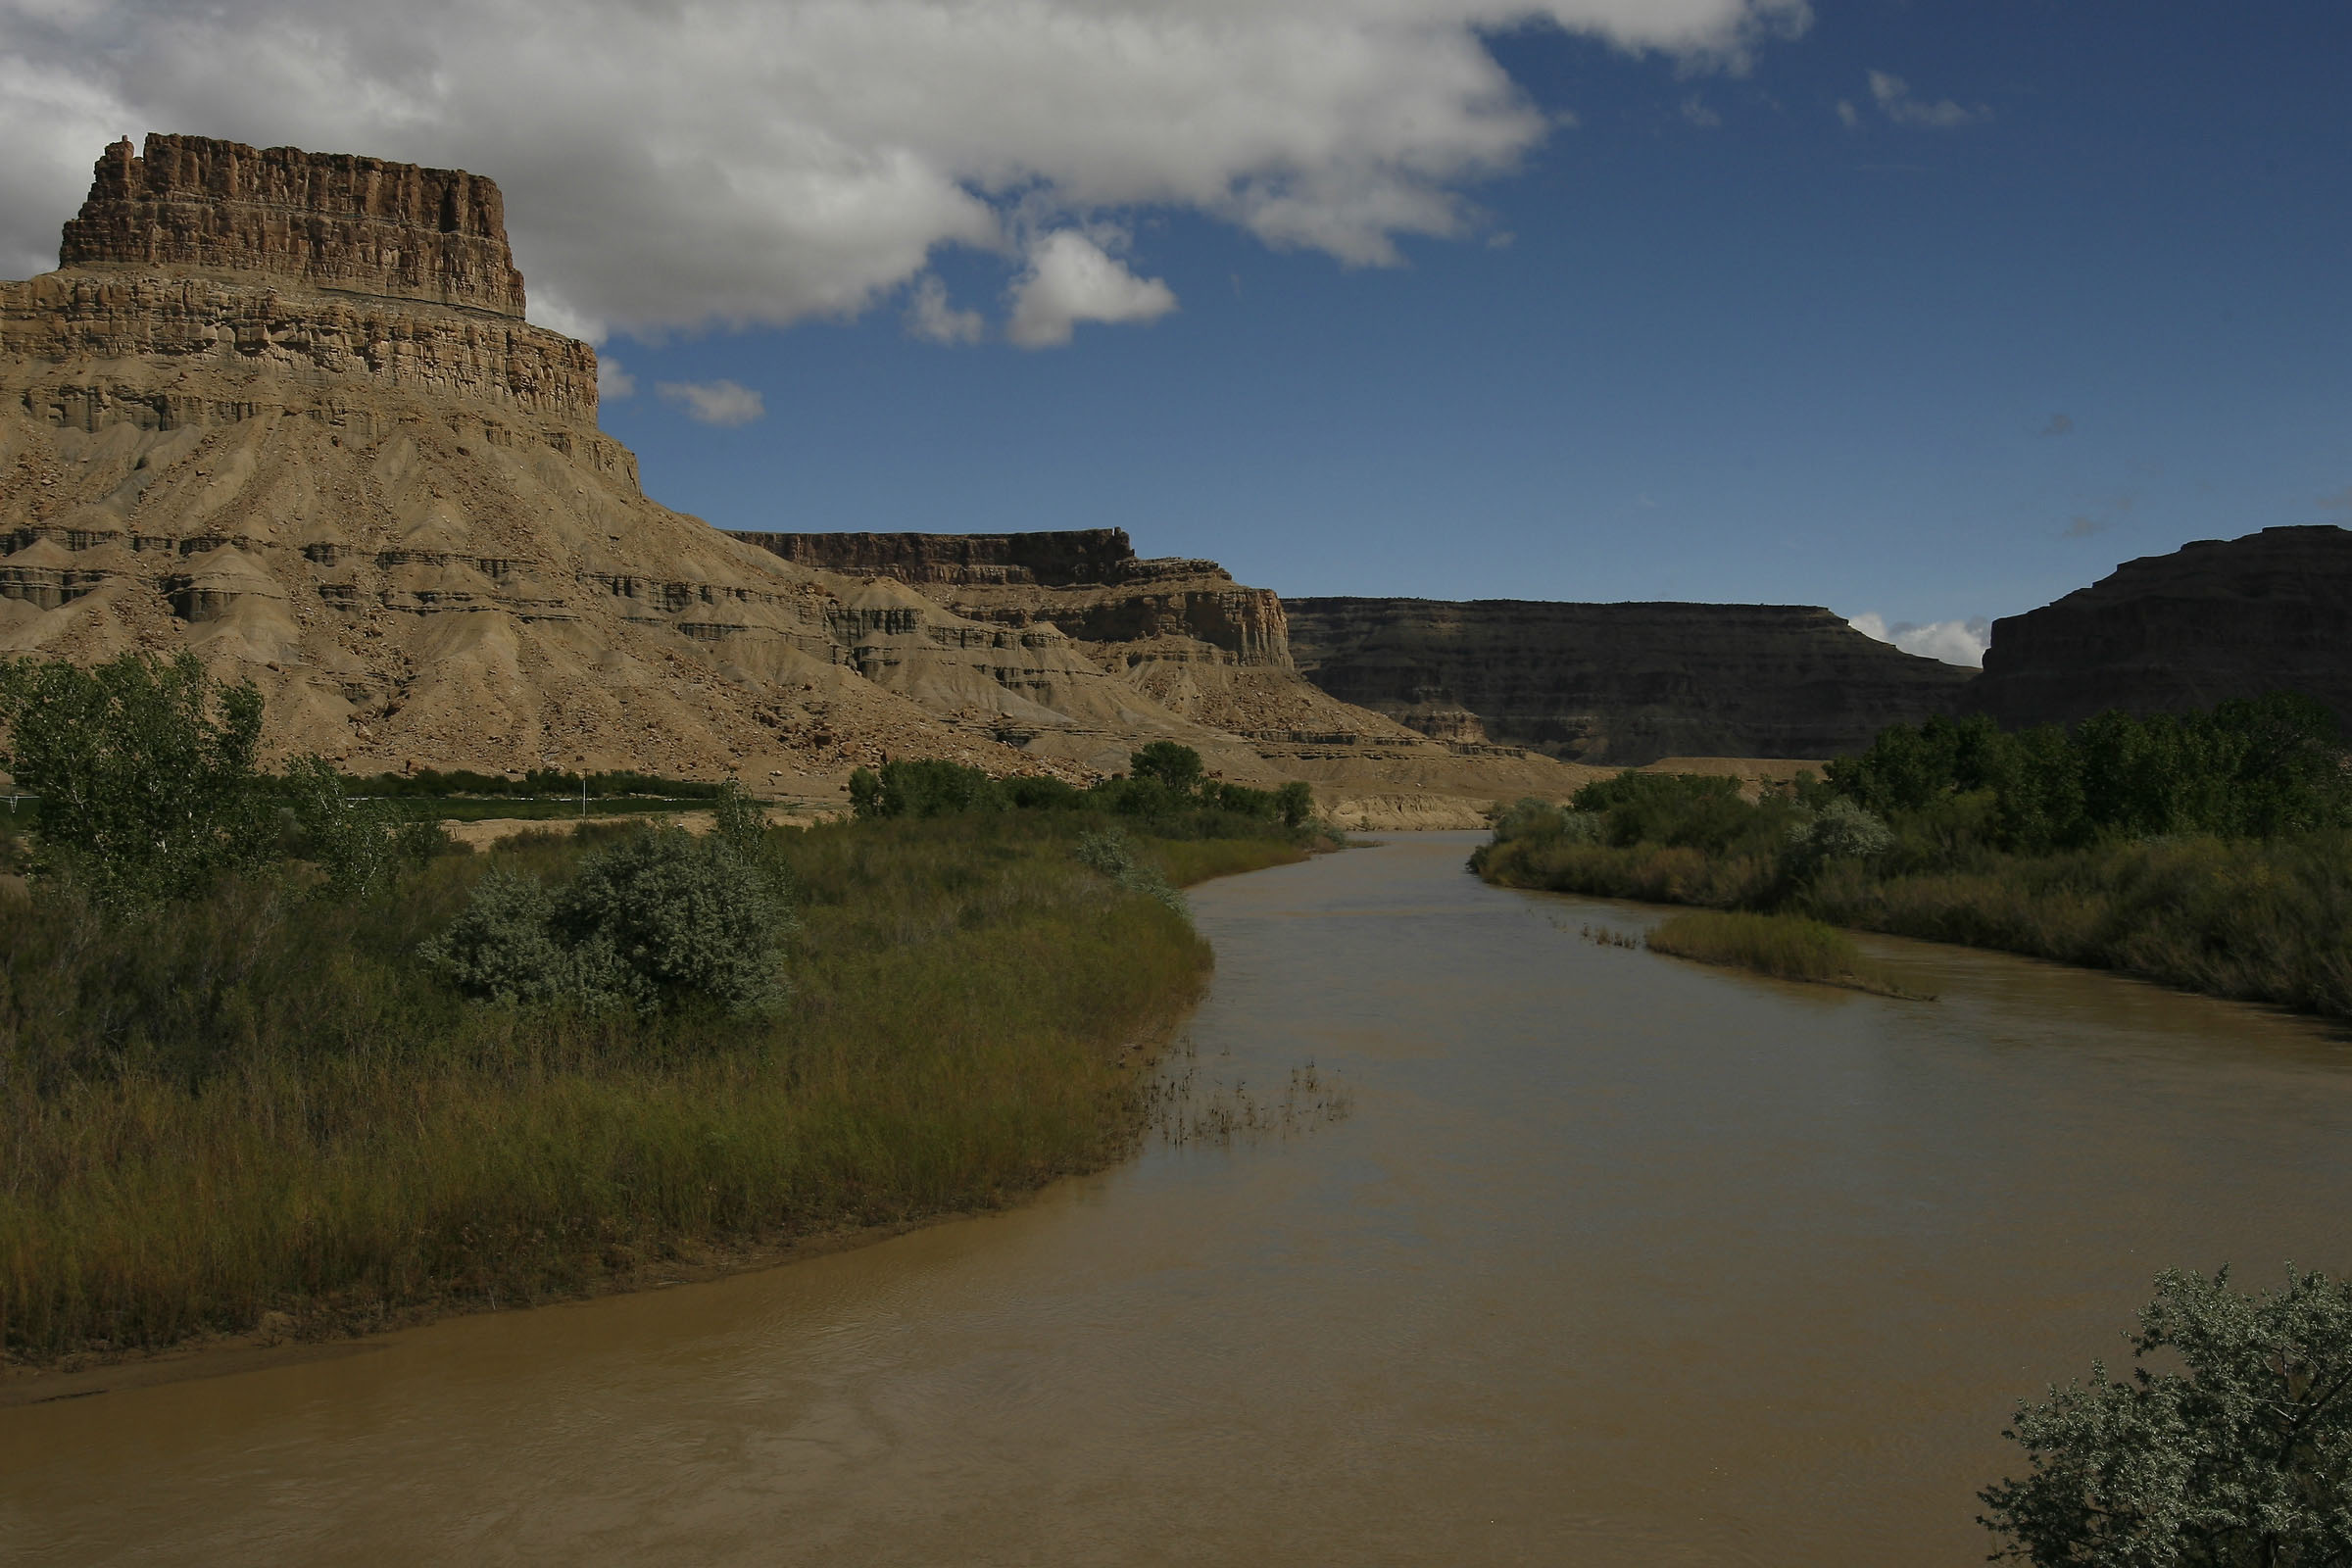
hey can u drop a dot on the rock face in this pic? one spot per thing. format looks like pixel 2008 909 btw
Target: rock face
pixel 1184 637
pixel 281 409
pixel 2214 619
pixel 1619 684
pixel 330 222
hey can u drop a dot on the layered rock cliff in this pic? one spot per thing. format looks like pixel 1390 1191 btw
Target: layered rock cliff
pixel 1621 684
pixel 328 222
pixel 1183 636
pixel 281 407
pixel 2214 619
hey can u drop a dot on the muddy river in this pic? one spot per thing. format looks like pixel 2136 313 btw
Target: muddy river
pixel 1612 1259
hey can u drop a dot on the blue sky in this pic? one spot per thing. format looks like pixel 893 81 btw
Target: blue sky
pixel 1930 311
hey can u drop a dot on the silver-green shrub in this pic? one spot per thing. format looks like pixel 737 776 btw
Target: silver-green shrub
pixel 1113 854
pixel 658 920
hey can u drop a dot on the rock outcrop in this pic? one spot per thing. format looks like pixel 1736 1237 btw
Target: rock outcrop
pixel 2214 619
pixel 1622 684
pixel 326 222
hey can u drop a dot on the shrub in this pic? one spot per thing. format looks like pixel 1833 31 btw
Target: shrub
pixel 2244 1460
pixel 655 922
pixel 1840 831
pixel 1113 854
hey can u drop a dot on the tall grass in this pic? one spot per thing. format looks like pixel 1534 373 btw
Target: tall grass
pixel 1785 946
pixel 264 1104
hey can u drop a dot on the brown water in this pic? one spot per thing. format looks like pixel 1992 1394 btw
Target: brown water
pixel 1617 1260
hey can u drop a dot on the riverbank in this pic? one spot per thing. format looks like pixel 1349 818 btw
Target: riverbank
pixel 2244 919
pixel 265 1118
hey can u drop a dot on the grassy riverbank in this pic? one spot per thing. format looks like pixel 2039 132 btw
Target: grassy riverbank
pixel 262 1104
pixel 2254 920
pixel 2222 865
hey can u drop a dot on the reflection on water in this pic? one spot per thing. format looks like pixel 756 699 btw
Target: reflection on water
pixel 1613 1259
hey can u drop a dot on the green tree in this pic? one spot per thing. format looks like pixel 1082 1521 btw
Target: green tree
pixel 361 846
pixel 2242 1461
pixel 929 787
pixel 145 772
pixel 1174 766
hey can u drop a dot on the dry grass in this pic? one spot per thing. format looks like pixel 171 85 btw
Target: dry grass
pixel 261 1105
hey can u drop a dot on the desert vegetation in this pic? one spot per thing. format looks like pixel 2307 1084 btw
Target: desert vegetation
pixel 2209 851
pixel 266 1049
pixel 1787 947
pixel 2229 1443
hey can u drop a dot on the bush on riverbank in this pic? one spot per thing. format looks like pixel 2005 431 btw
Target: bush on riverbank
pixel 266 1102
pixel 2038 844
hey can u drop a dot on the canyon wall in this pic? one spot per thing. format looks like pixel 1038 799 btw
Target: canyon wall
pixel 2214 619
pixel 1620 684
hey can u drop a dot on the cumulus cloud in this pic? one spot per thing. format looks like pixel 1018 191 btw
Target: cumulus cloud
pixel 1072 279
pixel 1955 642
pixel 611 381
pixel 932 318
pixel 1850 114
pixel 720 403
pixel 1696 111
pixel 1894 97
pixel 747 161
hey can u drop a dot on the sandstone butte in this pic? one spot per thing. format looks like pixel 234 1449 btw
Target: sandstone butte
pixel 284 409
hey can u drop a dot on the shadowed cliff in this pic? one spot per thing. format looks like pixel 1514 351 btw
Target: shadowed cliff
pixel 2214 619
pixel 1619 684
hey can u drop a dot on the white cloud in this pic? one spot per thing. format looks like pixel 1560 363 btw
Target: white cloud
pixel 611 381
pixel 1072 279
pixel 932 318
pixel 1895 101
pixel 764 161
pixel 720 403
pixel 1848 114
pixel 1696 111
pixel 1955 642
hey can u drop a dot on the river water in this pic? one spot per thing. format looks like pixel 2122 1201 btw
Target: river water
pixel 1614 1259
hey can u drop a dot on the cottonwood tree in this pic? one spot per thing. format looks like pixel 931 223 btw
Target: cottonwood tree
pixel 144 769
